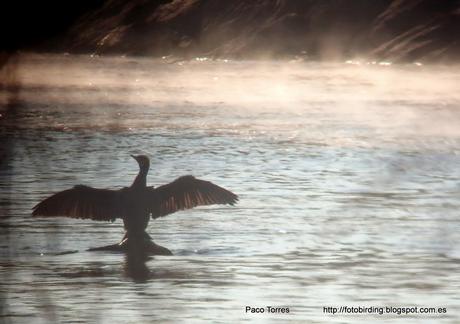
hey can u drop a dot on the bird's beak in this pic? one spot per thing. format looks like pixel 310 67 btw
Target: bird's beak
pixel 134 157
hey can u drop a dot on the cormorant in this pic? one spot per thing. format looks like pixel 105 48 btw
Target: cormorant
pixel 134 205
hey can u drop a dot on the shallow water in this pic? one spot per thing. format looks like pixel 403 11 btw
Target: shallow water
pixel 347 174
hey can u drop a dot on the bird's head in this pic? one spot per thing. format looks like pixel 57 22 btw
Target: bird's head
pixel 142 160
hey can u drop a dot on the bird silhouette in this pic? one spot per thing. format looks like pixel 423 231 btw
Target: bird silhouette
pixel 134 204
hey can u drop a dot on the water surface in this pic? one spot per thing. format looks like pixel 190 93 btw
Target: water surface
pixel 347 174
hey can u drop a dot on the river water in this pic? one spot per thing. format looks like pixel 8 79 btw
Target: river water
pixel 348 177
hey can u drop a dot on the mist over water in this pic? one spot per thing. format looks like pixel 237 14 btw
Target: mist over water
pixel 347 174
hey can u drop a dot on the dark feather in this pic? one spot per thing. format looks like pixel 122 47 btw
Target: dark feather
pixel 187 192
pixel 83 202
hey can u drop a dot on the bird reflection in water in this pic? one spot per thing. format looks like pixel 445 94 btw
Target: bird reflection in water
pixel 134 205
pixel 135 266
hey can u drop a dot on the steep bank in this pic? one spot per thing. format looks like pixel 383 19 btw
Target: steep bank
pixel 396 30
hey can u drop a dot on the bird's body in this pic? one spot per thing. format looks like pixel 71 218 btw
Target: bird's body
pixel 137 215
pixel 135 204
pixel 137 200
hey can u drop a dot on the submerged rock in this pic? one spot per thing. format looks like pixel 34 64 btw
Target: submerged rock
pixel 141 244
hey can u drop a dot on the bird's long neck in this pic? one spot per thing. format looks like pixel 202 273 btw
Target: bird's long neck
pixel 141 178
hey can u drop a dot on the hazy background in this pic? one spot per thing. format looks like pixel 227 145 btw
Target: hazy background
pixel 336 122
pixel 395 30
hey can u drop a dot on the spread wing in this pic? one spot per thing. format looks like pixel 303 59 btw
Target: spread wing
pixel 187 192
pixel 82 202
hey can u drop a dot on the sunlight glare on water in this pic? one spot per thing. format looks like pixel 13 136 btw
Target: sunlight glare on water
pixel 347 174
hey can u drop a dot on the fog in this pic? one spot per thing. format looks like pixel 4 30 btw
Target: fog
pixel 404 99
